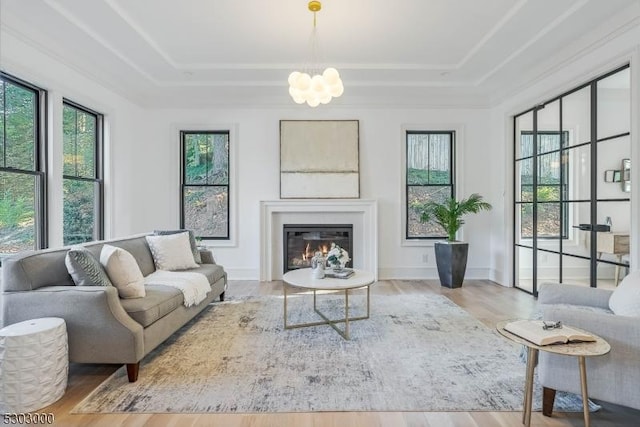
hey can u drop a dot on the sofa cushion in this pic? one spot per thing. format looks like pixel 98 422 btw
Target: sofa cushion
pixel 172 252
pixel 192 241
pixel 625 299
pixel 135 245
pixel 85 269
pixel 214 272
pixel 123 271
pixel 158 302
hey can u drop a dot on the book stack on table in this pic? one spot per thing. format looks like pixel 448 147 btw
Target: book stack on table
pixel 345 273
pixel 544 333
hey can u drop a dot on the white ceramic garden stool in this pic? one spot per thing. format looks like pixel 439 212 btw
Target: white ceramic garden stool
pixel 34 364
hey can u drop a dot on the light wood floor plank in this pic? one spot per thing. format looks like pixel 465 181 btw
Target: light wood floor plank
pixel 486 301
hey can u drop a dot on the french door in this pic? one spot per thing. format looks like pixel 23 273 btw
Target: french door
pixel 572 189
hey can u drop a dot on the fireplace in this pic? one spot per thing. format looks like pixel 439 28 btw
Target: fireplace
pixel 302 241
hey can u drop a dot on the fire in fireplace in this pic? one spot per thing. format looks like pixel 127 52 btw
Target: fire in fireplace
pixel 302 241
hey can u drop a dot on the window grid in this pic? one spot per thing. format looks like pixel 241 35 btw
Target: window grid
pixel 24 212
pixel 548 144
pixel 83 218
pixel 435 179
pixel 204 186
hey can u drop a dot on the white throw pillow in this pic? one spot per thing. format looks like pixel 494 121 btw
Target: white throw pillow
pixel 625 299
pixel 172 252
pixel 123 271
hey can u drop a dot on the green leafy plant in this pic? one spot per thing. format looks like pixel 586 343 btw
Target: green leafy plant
pixel 448 214
pixel 14 211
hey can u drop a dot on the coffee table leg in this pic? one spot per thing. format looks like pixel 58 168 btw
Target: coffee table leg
pixel 368 301
pixel 583 386
pixel 346 313
pixel 532 359
pixel 284 286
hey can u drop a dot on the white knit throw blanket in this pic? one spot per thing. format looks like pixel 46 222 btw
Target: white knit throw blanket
pixel 194 286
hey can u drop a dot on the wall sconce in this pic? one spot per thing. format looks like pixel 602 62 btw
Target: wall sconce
pixel 626 175
pixel 622 176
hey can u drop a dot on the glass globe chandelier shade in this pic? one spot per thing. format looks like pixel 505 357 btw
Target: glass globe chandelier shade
pixel 315 89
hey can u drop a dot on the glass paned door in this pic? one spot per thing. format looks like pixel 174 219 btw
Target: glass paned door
pixel 571 198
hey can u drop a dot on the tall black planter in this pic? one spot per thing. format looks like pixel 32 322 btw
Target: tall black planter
pixel 451 259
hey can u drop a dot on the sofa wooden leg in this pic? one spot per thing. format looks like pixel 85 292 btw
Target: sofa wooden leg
pixel 548 397
pixel 132 371
pixel 222 296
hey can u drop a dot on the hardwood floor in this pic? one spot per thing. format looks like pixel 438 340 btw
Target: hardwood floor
pixel 484 300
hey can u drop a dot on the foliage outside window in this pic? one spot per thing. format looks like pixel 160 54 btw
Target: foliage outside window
pixel 552 186
pixel 429 177
pixel 22 166
pixel 205 183
pixel 82 174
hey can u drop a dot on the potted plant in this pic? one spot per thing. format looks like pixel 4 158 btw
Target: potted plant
pixel 451 255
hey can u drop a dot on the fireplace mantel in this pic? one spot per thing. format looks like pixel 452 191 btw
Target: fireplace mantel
pixel 363 214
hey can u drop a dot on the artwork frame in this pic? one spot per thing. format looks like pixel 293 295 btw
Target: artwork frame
pixel 319 159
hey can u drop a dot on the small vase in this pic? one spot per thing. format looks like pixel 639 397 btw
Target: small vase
pixel 317 266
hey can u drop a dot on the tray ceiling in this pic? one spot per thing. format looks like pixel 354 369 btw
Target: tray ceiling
pixel 181 53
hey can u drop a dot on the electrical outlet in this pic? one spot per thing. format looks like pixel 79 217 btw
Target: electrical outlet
pixel 425 258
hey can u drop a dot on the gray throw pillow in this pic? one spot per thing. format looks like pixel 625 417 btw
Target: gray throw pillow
pixel 85 269
pixel 192 241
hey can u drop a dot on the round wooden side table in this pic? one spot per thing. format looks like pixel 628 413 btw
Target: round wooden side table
pixel 34 364
pixel 581 350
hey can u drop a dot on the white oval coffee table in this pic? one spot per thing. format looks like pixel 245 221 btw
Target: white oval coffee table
pixel 302 279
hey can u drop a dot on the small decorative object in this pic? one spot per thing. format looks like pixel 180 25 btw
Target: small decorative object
pixel 317 266
pixel 199 243
pixel 337 257
pixel 608 175
pixel 625 176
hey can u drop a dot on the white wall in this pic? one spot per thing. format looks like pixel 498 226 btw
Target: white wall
pixel 142 170
pixel 614 53
pixel 257 142
pixel 143 151
pixel 122 133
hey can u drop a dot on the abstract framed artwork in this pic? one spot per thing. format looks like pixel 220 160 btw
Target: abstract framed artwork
pixel 319 159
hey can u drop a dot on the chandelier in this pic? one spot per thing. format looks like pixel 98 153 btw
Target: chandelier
pixel 310 86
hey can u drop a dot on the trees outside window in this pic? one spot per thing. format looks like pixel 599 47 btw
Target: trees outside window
pixel 205 183
pixel 82 174
pixel 22 166
pixel 429 177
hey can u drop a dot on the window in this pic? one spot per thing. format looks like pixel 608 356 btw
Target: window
pixel 22 166
pixel 82 174
pixel 552 185
pixel 205 183
pixel 429 177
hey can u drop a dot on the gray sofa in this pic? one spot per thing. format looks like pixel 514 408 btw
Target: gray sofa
pixel 614 377
pixel 102 327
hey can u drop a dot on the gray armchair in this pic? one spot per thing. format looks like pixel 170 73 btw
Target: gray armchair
pixel 614 377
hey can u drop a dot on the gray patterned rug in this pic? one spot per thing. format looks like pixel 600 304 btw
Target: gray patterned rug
pixel 416 353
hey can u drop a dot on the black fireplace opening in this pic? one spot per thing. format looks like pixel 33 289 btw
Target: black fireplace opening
pixel 302 241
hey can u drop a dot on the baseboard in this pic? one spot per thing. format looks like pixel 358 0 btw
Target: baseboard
pixel 242 273
pixel 387 273
pixel 497 276
pixel 427 273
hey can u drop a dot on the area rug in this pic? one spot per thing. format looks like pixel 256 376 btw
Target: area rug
pixel 417 352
